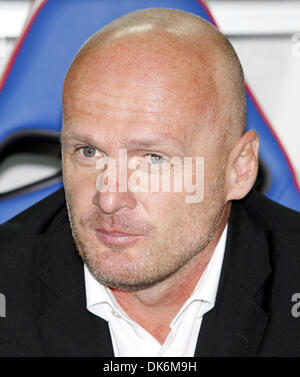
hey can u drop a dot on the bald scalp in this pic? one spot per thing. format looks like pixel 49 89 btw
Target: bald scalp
pixel 179 36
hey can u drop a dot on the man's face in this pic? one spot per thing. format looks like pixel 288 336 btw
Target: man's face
pixel 156 107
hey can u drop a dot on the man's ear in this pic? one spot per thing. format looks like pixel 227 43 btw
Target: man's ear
pixel 242 166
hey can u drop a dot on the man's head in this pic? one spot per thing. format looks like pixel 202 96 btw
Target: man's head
pixel 159 83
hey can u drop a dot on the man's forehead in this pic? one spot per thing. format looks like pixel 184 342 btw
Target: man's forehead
pixel 140 96
pixel 154 55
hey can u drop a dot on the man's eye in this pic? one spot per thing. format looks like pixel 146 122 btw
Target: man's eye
pixel 88 151
pixel 155 159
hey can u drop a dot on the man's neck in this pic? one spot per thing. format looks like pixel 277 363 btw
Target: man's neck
pixel 154 308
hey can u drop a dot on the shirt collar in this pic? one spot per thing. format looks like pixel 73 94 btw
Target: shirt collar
pixel 207 286
pixel 206 289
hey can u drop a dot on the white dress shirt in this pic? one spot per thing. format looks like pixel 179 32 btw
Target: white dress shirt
pixel 130 339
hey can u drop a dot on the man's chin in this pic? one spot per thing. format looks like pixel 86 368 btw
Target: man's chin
pixel 123 286
pixel 118 279
pixel 119 270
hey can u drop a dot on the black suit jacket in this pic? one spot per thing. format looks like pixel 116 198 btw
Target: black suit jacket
pixel 41 276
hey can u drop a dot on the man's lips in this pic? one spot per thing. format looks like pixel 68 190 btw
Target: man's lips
pixel 117 237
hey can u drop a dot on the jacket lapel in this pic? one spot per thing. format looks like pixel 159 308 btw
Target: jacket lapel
pixel 236 324
pixel 67 328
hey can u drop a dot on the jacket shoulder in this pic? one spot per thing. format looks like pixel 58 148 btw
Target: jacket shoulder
pixel 37 218
pixel 271 215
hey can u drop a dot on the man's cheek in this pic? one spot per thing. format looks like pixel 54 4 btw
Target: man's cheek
pixel 80 190
pixel 79 179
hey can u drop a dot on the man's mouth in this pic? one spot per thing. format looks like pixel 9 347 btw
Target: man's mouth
pixel 117 237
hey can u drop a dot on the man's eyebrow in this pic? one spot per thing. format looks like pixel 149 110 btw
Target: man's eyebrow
pixel 77 137
pixel 65 135
pixel 148 142
pixel 144 142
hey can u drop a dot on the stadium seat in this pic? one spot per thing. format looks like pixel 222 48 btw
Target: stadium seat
pixel 30 95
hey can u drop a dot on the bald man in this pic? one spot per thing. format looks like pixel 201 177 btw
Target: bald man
pixel 158 246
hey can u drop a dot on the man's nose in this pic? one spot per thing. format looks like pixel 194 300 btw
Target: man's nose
pixel 110 202
pixel 113 191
